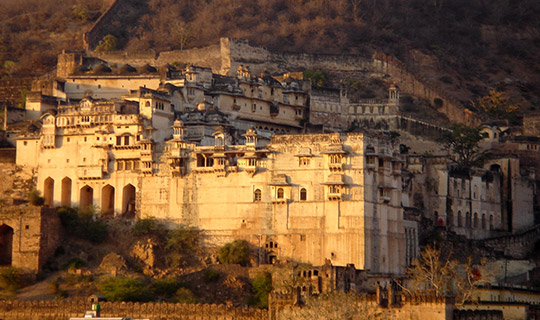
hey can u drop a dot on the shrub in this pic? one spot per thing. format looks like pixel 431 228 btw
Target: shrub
pixel 12 278
pixel 148 227
pixel 83 224
pixel 74 263
pixel 124 289
pixel 236 252
pixel 35 198
pixel 182 242
pixel 211 276
pixel 165 288
pixel 184 295
pixel 261 287
pixel 108 43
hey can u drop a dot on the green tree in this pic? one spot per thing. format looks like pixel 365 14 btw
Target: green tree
pixel 236 252
pixel 182 242
pixel 108 43
pixel 261 287
pixel 318 78
pixel 462 144
pixel 124 289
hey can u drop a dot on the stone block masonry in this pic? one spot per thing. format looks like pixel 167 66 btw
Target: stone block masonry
pixel 63 310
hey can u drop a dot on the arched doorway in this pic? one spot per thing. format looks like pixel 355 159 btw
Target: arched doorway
pixel 66 192
pixel 86 197
pixel 107 200
pixel 48 192
pixel 6 245
pixel 128 201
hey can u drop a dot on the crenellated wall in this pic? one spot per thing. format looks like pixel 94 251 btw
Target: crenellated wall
pixel 62 310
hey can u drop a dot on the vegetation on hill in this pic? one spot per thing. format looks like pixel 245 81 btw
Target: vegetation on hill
pixel 467 47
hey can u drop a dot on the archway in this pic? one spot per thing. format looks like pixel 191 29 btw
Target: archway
pixel 86 197
pixel 128 201
pixel 48 192
pixel 107 200
pixel 6 245
pixel 66 192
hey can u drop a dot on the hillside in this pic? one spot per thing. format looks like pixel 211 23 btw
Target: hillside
pixel 466 47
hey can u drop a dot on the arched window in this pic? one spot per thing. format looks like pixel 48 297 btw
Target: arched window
pixel 147 103
pixel 450 219
pixel 467 220
pixel 257 195
pixel 484 221
pixel 459 219
pixel 491 222
pixel 475 221
pixel 280 193
pixel 303 194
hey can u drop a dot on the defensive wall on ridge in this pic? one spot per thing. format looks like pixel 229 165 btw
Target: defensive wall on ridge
pixel 226 57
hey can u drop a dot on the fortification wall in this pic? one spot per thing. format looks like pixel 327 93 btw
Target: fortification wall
pixel 209 57
pixel 102 26
pixel 11 90
pixel 62 310
pixel 417 85
pixel 516 245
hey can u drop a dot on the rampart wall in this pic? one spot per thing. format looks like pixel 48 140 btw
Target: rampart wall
pixel 11 90
pixel 62 310
pixel 412 83
pixel 102 26
pixel 516 245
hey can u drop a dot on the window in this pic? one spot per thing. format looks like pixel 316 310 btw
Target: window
pixel 484 221
pixel 118 141
pixel 303 162
pixel 475 220
pixel 280 193
pixel 25 143
pixel 303 194
pixel 257 195
pixel 126 140
pixel 459 219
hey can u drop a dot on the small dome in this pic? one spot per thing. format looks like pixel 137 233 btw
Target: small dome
pixel 102 68
pixel 126 68
pixel 147 69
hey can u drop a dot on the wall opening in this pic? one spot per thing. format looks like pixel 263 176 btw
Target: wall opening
pixel 128 202
pixel 66 192
pixel 48 192
pixel 86 197
pixel 107 200
pixel 6 245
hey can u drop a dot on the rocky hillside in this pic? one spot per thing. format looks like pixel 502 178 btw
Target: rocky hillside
pixel 467 47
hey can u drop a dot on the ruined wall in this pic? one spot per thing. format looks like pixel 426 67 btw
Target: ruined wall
pixel 209 57
pixel 11 90
pixel 103 26
pixel 415 84
pixel 30 236
pixel 478 314
pixel 61 310
pixel 516 246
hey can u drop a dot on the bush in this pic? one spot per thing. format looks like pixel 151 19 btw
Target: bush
pixel 148 227
pixel 74 263
pixel 236 252
pixel 108 43
pixel 83 224
pixel 125 289
pixel 12 278
pixel 184 295
pixel 261 287
pixel 182 242
pixel 165 288
pixel 35 198
pixel 211 276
